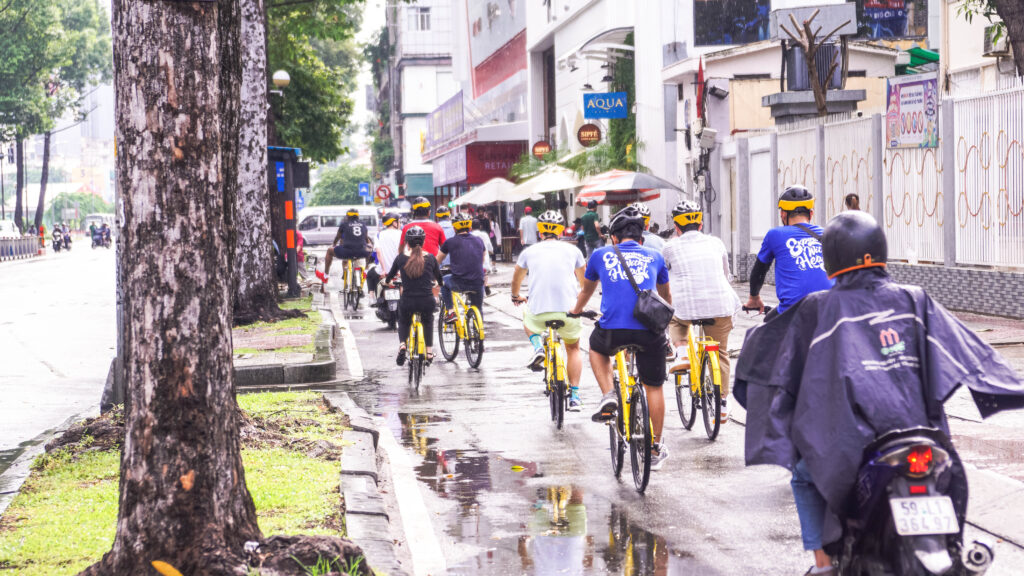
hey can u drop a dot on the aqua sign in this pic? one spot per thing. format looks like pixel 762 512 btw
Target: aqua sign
pixel 605 105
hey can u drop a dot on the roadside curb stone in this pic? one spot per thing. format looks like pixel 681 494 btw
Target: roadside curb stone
pixel 323 368
pixel 367 522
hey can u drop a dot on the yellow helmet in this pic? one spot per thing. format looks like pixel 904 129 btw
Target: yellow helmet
pixel 462 222
pixel 551 222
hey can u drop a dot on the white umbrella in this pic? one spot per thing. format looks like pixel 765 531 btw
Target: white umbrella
pixel 551 179
pixel 491 191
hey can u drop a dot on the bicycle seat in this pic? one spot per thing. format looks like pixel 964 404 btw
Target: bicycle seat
pixel 465 292
pixel 556 324
pixel 704 322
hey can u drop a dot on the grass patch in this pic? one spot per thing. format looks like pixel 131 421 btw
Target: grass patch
pixel 64 518
pixel 308 324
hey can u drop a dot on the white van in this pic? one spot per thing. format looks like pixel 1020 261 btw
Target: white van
pixel 319 224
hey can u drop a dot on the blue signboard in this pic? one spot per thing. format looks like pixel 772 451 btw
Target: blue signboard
pixel 605 105
pixel 279 170
pixel 300 200
pixel 364 189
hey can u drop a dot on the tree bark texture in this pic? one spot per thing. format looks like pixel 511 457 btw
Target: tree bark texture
pixel 19 183
pixel 183 498
pixel 43 179
pixel 255 288
pixel 1012 14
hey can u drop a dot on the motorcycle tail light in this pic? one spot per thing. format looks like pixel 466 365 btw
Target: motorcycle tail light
pixel 919 460
pixel 918 489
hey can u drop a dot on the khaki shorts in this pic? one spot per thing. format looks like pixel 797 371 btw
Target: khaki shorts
pixel 570 333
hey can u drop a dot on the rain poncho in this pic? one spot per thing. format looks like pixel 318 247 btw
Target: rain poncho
pixel 844 366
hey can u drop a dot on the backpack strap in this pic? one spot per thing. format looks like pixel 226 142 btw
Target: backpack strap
pixel 809 230
pixel 625 267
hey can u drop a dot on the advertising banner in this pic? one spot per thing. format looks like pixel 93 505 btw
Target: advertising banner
pixel 450 168
pixel 882 19
pixel 912 114
pixel 445 122
pixel 605 105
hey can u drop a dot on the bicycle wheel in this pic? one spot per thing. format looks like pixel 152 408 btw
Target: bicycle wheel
pixel 447 336
pixel 417 371
pixel 685 401
pixel 640 439
pixel 615 434
pixel 474 338
pixel 711 396
pixel 558 392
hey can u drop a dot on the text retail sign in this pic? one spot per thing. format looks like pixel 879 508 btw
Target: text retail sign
pixel 605 105
pixel 589 135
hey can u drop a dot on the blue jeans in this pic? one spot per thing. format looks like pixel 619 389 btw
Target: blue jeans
pixel 451 284
pixel 810 507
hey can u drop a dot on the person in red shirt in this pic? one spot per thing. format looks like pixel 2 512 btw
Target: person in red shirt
pixel 421 218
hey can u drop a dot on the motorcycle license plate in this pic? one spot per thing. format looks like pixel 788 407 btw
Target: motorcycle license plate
pixel 391 294
pixel 924 515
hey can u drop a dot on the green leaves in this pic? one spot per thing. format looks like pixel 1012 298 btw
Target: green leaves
pixel 340 185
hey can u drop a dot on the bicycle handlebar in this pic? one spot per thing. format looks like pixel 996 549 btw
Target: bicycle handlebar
pixel 767 309
pixel 589 314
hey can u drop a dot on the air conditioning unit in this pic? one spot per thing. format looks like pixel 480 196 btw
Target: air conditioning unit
pixel 998 47
pixel 797 78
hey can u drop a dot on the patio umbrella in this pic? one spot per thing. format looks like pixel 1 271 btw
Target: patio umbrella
pixel 491 191
pixel 622 187
pixel 551 179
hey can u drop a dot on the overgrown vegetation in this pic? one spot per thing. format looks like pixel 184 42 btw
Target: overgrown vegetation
pixel 64 518
pixel 305 325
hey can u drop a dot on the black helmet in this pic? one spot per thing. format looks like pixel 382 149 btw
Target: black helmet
pixel 462 221
pixel 851 241
pixel 592 205
pixel 352 214
pixel 415 236
pixel 420 203
pixel 390 218
pixel 687 212
pixel 624 220
pixel 551 222
pixel 796 198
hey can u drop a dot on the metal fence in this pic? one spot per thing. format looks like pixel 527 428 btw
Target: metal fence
pixel 912 206
pixel 18 248
pixel 989 188
pixel 849 166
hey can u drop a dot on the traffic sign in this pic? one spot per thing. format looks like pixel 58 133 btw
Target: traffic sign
pixel 383 191
pixel 364 189
pixel 300 200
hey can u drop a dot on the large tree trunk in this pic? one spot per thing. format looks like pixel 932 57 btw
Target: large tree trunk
pixel 1012 14
pixel 255 288
pixel 19 183
pixel 44 177
pixel 183 498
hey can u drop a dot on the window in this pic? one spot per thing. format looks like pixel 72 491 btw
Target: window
pixel 419 18
pixel 330 221
pixel 308 224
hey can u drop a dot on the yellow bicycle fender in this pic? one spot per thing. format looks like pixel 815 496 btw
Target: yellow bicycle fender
pixel 560 363
pixel 478 320
pixel 716 370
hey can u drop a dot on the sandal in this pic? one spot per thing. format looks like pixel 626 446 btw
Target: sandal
pixel 429 358
pixel 401 355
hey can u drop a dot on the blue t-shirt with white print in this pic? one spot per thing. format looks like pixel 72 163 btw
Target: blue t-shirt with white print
pixel 799 264
pixel 617 295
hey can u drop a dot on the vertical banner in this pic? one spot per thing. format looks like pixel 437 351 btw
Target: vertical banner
pixel 912 113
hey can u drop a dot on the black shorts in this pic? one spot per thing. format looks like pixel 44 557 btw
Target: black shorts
pixel 650 355
pixel 344 253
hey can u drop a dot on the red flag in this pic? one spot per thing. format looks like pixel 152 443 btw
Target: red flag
pixel 700 88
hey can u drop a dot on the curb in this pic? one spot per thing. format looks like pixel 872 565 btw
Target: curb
pixel 323 368
pixel 367 522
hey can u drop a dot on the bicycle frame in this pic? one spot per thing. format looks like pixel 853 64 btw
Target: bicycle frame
pixel 626 385
pixel 460 307
pixel 348 276
pixel 416 344
pixel 696 346
pixel 558 371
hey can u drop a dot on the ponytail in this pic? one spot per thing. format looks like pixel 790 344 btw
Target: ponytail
pixel 414 267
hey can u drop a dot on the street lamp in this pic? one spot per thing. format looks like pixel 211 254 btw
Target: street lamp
pixel 281 79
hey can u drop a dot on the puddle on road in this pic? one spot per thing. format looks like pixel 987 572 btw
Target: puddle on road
pixel 507 518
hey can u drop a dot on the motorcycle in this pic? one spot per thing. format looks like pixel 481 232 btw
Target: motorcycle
pixel 908 511
pixel 58 241
pixel 67 241
pixel 100 239
pixel 387 303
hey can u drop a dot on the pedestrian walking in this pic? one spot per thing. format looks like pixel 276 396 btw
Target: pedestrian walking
pixel 592 229
pixel 528 228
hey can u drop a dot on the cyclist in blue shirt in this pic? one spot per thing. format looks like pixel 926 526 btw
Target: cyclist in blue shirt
pixel 796 249
pixel 618 327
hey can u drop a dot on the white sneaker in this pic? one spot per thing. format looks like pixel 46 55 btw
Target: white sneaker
pixel 659 453
pixel 725 413
pixel 536 362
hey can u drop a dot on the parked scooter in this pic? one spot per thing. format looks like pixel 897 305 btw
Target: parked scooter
pixel 58 241
pixel 909 510
pixel 387 303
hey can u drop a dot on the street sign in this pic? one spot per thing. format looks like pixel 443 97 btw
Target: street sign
pixel 589 135
pixel 300 200
pixel 364 189
pixel 605 105
pixel 383 192
pixel 279 173
pixel 540 149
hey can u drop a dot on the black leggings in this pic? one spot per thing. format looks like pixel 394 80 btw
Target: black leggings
pixel 410 305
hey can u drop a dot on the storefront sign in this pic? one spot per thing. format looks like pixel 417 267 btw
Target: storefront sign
pixel 605 105
pixel 541 149
pixel 912 115
pixel 589 135
pixel 486 160
pixel 450 168
pixel 445 122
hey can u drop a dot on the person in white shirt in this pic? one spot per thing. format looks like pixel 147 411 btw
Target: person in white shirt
pixel 556 273
pixel 528 228
pixel 386 248
pixel 698 271
pixel 651 240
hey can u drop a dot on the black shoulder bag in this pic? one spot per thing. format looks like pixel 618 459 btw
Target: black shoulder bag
pixel 651 310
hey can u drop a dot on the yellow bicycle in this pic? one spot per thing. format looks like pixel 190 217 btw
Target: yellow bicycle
pixel 468 328
pixel 352 285
pixel 555 373
pixel 700 385
pixel 416 351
